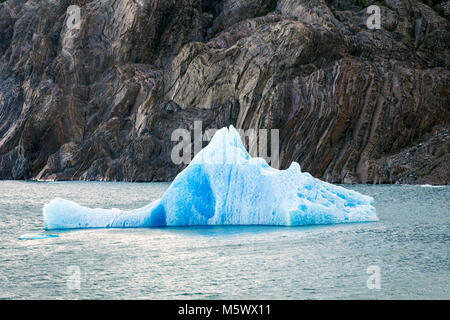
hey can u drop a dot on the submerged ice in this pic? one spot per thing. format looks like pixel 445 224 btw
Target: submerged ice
pixel 37 236
pixel 223 185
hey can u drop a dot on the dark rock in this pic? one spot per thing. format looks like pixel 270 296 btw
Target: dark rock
pixel 100 103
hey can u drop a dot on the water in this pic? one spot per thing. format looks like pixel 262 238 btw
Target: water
pixel 410 245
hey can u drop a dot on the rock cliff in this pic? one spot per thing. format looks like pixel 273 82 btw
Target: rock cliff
pixel 100 101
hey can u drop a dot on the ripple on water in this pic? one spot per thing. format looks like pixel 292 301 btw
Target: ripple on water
pixel 410 245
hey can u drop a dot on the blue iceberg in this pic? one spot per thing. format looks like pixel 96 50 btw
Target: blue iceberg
pixel 224 185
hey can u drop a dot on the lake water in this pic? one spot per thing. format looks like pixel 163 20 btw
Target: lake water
pixel 409 246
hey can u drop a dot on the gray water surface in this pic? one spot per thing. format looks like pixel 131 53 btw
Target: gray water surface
pixel 410 246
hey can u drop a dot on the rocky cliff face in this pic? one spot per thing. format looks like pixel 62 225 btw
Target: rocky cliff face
pixel 101 101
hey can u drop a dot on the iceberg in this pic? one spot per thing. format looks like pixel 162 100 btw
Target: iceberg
pixel 224 185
